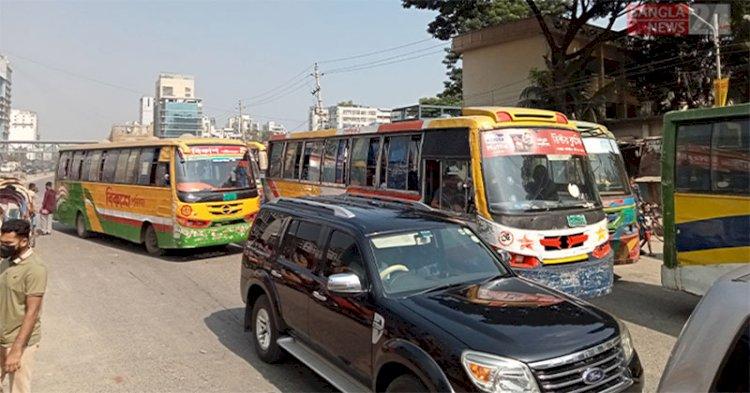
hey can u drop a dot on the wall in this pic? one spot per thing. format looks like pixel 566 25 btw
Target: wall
pixel 495 74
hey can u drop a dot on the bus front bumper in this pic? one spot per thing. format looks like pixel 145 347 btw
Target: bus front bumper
pixel 588 279
pixel 215 235
pixel 626 248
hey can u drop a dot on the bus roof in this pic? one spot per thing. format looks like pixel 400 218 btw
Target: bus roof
pixel 484 118
pixel 707 113
pixel 256 145
pixel 182 141
pixel 590 129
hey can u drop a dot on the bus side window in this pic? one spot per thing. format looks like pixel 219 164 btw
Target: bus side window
pixel 146 162
pixel 131 171
pixel 74 172
pixel 62 165
pixel 160 175
pixel 94 165
pixel 110 166
pixel 274 167
pixel 86 166
pixel 100 174
pixel 311 161
pixel 358 170
pixel 372 160
pixel 122 166
pixel 342 158
pixel 292 160
pixel 402 164
pixel 730 157
pixel 329 161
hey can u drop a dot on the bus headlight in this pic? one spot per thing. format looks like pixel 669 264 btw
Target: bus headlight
pixel 626 341
pixel 494 374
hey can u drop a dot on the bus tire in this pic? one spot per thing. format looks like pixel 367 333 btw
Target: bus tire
pixel 81 230
pixel 150 241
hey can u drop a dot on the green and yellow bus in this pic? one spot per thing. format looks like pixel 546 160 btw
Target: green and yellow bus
pixel 163 193
pixel 706 195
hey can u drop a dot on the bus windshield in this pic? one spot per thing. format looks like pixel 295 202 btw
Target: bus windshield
pixel 607 165
pixel 213 168
pixel 528 170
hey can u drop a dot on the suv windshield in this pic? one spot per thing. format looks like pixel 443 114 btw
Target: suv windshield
pixel 607 165
pixel 424 260
pixel 213 168
pixel 536 169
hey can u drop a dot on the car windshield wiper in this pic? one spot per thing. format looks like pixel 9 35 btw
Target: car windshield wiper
pixel 441 287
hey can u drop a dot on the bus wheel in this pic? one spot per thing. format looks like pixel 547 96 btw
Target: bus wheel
pixel 151 242
pixel 81 226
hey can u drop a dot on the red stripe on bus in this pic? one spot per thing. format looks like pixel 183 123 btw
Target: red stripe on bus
pixel 384 193
pixel 272 186
pixel 411 125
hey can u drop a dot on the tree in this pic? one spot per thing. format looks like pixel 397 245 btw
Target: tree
pixel 445 101
pixel 456 17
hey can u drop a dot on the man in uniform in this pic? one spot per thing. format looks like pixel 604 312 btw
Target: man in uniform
pixel 23 281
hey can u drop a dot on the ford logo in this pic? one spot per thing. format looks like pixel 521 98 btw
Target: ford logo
pixel 592 375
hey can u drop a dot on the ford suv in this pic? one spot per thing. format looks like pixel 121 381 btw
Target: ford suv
pixel 389 296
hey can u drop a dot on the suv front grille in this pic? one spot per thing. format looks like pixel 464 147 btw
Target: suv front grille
pixel 566 373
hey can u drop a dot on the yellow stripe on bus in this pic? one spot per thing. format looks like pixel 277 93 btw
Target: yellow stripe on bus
pixel 693 207
pixel 715 256
pixel 574 258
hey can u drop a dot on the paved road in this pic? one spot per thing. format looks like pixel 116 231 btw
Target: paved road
pixel 116 320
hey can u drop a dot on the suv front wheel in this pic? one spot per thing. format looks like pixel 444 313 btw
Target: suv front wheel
pixel 406 383
pixel 265 332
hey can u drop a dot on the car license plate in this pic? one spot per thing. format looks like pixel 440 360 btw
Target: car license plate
pixel 230 196
pixel 576 220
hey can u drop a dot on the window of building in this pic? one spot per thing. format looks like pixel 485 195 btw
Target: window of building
pixel 301 243
pixel 403 163
pixel 274 166
pixel 343 256
pixel 167 91
pixel 122 166
pixel 95 157
pixel 110 165
pixel 188 92
pixel 364 161
pixel 311 161
pixel 292 160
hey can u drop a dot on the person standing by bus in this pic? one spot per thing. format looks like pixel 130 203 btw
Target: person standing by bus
pixel 48 207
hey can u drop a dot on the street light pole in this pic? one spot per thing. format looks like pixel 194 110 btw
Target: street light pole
pixel 718 45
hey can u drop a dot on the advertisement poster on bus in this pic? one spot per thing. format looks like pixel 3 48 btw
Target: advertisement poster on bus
pixel 524 141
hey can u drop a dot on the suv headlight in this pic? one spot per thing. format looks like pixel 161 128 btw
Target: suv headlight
pixel 626 341
pixel 494 374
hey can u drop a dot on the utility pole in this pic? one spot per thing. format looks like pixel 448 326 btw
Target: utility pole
pixel 318 99
pixel 717 43
pixel 240 122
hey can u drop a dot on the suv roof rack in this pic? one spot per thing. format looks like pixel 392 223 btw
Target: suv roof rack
pixel 337 211
pixel 386 201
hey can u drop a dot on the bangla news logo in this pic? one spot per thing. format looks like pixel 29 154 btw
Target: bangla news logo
pixel 676 19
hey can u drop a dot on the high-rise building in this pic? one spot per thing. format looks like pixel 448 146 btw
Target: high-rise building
pixel 5 90
pixel 355 116
pixel 147 111
pixel 176 109
pixel 23 126
pixel 274 127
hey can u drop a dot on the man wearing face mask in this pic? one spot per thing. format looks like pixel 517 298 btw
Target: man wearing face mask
pixel 23 281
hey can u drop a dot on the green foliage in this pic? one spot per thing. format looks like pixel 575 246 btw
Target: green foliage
pixel 445 101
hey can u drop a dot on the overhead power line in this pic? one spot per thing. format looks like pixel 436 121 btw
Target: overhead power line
pixel 374 52
pixel 381 63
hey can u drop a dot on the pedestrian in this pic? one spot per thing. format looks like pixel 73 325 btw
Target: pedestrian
pixel 32 191
pixel 48 207
pixel 23 281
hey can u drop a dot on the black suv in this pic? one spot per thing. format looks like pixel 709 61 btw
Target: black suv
pixel 390 296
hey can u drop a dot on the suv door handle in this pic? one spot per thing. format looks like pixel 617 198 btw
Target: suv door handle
pixel 275 274
pixel 318 296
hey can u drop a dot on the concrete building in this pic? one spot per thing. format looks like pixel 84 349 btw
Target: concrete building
pixel 5 95
pixel 123 132
pixel 497 60
pixel 147 111
pixel 23 126
pixel 176 109
pixel 317 121
pixel 348 116
pixel 273 127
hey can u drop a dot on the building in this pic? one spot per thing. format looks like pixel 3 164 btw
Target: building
pixel 23 126
pixel 147 111
pixel 176 109
pixel 494 74
pixel 273 127
pixel 122 132
pixel 348 116
pixel 5 95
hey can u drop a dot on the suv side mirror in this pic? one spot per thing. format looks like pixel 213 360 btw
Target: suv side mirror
pixel 344 283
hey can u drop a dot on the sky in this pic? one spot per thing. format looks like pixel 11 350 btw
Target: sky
pixel 82 66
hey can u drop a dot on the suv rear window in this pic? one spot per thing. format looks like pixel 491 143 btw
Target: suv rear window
pixel 265 233
pixel 343 256
pixel 301 243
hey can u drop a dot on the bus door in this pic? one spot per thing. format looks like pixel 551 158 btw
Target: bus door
pixel 446 165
